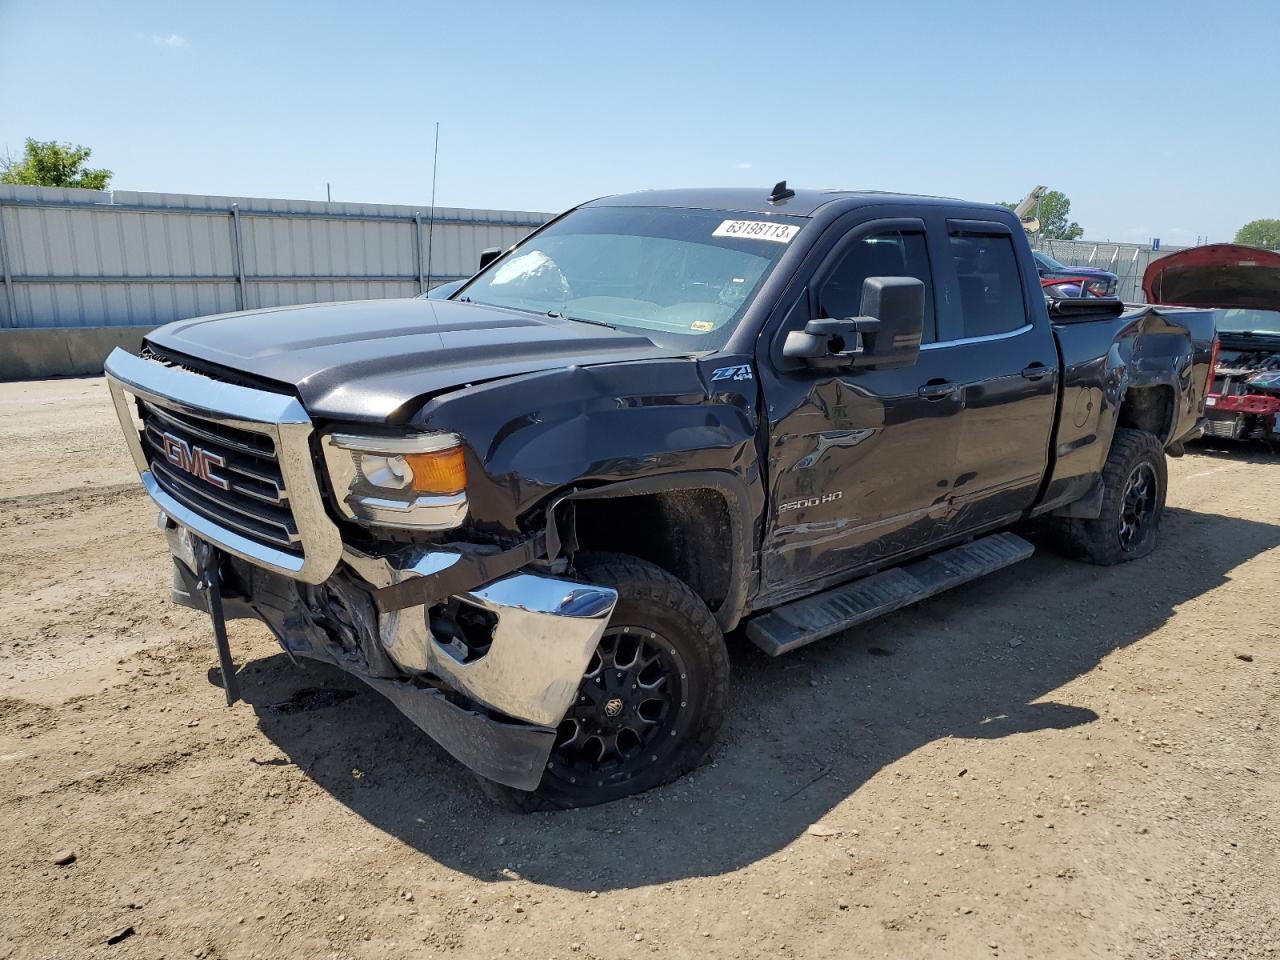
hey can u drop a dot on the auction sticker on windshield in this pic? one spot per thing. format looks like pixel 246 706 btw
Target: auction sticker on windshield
pixel 757 230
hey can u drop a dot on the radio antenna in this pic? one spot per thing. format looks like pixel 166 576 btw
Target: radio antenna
pixel 431 216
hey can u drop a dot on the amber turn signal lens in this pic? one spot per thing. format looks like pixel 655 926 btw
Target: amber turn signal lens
pixel 442 472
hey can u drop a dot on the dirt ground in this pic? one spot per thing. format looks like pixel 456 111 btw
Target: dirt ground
pixel 1057 761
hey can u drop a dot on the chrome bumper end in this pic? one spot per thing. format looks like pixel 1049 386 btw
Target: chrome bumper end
pixel 545 631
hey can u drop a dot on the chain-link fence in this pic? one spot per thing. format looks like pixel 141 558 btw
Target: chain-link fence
pixel 1128 261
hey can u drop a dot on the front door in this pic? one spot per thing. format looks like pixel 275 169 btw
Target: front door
pixel 861 462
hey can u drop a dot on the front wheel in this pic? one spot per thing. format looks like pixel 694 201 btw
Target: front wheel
pixel 1134 479
pixel 651 700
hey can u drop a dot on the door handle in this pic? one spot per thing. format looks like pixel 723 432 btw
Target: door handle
pixel 1035 371
pixel 937 389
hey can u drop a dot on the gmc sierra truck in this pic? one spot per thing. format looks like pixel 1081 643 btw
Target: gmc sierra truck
pixel 529 514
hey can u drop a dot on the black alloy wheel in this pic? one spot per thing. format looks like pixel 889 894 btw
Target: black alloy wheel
pixel 1134 480
pixel 1137 506
pixel 626 712
pixel 651 699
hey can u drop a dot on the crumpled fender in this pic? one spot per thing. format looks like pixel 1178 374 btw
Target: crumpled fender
pixel 538 442
pixel 531 438
pixel 1102 362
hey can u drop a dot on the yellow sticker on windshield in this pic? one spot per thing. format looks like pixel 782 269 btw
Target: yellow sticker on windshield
pixel 756 230
pixel 702 326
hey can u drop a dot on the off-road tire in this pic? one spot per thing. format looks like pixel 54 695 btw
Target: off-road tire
pixel 649 599
pixel 1100 540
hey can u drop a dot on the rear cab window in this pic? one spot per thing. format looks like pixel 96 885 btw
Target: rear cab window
pixel 988 279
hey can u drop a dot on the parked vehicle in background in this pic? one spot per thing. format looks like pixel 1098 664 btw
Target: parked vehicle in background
pixel 444 291
pixel 1099 283
pixel 1071 288
pixel 528 514
pixel 1242 285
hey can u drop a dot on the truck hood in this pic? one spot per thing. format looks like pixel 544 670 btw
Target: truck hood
pixel 1224 275
pixel 373 360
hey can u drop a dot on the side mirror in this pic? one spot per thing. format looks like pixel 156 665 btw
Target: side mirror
pixel 898 303
pixel 830 343
pixel 488 255
pixel 887 335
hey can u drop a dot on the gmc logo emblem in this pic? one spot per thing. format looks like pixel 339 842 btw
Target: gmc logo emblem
pixel 194 460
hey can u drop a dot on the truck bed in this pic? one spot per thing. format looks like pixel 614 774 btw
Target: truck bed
pixel 1113 348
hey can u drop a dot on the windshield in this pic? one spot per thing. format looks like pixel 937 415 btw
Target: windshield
pixel 682 277
pixel 1266 322
pixel 1049 262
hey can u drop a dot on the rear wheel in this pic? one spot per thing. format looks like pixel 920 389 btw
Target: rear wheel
pixel 651 700
pixel 1134 480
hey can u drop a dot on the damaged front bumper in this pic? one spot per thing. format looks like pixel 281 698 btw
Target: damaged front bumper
pixel 487 667
pixel 491 694
pixel 1243 417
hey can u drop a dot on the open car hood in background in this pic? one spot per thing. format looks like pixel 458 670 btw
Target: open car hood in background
pixel 1222 275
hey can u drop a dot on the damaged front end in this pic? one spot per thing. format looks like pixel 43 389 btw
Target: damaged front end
pixel 488 674
pixel 1242 286
pixel 484 656
pixel 1244 403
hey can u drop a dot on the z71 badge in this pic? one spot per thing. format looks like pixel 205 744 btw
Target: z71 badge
pixel 740 372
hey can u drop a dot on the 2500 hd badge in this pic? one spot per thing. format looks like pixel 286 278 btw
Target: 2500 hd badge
pixel 810 502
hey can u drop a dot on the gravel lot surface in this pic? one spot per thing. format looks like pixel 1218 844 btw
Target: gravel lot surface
pixel 1057 761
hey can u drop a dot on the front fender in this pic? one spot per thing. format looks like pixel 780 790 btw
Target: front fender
pixel 533 438
pixel 744 506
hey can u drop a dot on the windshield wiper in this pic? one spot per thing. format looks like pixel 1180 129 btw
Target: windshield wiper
pixel 557 315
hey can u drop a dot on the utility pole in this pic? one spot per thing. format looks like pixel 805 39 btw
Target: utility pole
pixel 431 216
pixel 328 193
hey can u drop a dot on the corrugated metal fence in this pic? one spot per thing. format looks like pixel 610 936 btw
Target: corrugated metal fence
pixel 1128 261
pixel 81 258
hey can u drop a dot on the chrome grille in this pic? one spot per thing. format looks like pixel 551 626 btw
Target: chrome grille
pixel 256 502
pixel 272 512
pixel 1224 429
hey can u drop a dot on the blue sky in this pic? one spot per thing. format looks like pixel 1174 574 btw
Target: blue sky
pixel 1157 119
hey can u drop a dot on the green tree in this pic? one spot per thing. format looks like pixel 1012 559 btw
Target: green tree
pixel 1055 217
pixel 1260 233
pixel 47 163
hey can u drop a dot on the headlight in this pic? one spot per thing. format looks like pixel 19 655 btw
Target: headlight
pixel 417 481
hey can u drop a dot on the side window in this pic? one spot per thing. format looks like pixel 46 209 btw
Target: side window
pixel 889 254
pixel 991 298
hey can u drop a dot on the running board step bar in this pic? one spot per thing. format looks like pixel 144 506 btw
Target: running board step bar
pixel 793 625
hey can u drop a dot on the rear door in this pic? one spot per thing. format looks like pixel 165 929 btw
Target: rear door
pixel 1002 352
pixel 861 461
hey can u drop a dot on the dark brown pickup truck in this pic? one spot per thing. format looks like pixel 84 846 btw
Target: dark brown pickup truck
pixel 530 513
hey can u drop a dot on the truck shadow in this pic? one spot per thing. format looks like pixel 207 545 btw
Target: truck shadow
pixel 804 732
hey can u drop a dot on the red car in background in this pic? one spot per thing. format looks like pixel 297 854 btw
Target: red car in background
pixel 1091 281
pixel 1242 285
